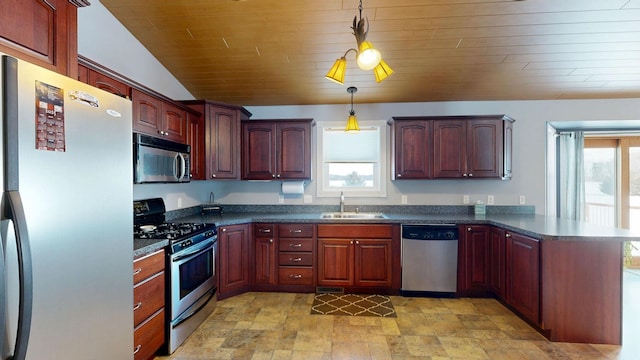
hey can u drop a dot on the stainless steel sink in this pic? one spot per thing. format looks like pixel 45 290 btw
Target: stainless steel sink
pixel 352 215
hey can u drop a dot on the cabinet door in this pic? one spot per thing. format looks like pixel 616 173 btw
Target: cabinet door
pixel 508 147
pixel 497 259
pixel 523 275
pixel 109 84
pixel 147 113
pixel 223 143
pixel 174 123
pixel 233 243
pixel 265 255
pixel 41 32
pixel 258 151
pixel 293 150
pixel 413 141
pixel 195 138
pixel 474 249
pixel 373 262
pixel 484 148
pixel 449 148
pixel 335 262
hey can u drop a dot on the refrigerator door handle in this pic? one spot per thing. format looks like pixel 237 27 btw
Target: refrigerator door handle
pixel 12 209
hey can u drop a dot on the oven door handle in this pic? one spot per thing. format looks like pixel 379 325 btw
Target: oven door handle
pixel 193 251
pixel 188 314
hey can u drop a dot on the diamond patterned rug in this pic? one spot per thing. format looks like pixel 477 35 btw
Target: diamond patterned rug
pixel 353 305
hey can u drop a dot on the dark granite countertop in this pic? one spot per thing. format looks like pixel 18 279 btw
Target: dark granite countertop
pixel 517 219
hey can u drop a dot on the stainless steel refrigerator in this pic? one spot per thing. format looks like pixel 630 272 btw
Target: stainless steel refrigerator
pixel 66 258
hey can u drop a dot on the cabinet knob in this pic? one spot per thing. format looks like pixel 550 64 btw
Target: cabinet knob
pixel 399 175
pixel 468 229
pixel 357 242
pixel 213 176
pixel 224 230
pixel 507 235
pixel 271 240
pixel 470 175
pixel 351 242
pixel 278 176
pixel 464 175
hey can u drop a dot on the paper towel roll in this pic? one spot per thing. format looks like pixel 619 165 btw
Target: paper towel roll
pixel 293 187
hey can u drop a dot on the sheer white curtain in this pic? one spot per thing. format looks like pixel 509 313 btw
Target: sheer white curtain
pixel 571 198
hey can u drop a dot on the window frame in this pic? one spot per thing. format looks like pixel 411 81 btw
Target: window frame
pixel 323 190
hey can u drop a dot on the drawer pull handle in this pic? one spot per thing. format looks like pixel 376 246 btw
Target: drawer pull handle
pixel 295 245
pixel 298 259
pixel 137 271
pixel 137 306
pixel 295 231
pixel 265 230
pixel 295 276
pixel 135 351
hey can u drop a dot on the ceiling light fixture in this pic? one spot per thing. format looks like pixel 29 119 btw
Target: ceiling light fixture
pixel 367 57
pixel 352 122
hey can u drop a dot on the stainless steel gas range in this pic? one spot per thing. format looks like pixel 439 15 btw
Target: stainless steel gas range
pixel 191 260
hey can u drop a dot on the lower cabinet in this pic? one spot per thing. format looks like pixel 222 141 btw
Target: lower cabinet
pixel 497 258
pixel 523 275
pixel 474 269
pixel 296 243
pixel 234 249
pixel 355 255
pixel 265 247
pixel 148 305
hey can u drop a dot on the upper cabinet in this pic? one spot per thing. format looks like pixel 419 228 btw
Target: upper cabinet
pixel 103 82
pixel 42 32
pixel 221 136
pixel 155 117
pixel 452 147
pixel 276 149
pixel 412 148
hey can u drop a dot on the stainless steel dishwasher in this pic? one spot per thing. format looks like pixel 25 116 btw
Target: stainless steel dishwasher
pixel 429 260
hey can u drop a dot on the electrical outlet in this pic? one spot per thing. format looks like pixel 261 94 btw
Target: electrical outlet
pixel 522 200
pixel 465 199
pixel 308 199
pixel 490 200
pixel 403 199
pixel 281 199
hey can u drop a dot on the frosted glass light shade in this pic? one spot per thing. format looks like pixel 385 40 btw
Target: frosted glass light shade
pixel 382 71
pixel 337 71
pixel 352 124
pixel 368 57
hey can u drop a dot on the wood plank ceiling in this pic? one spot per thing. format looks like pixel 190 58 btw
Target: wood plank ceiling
pixel 276 52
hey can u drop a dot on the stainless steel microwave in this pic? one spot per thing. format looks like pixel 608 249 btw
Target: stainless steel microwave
pixel 160 161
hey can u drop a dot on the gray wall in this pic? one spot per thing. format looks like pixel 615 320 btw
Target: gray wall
pixel 530 131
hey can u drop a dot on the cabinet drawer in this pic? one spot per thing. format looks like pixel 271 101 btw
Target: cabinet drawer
pixel 295 259
pixel 295 276
pixel 149 337
pixel 296 245
pixel 263 230
pixel 148 297
pixel 372 231
pixel 147 266
pixel 295 230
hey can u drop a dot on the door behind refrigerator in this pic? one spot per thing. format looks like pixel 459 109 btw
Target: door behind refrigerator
pixel 77 202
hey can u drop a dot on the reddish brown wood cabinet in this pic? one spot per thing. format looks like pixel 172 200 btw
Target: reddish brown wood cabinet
pixel 474 269
pixel 472 147
pixel 497 258
pixel 42 32
pixel 234 249
pixel 276 149
pixel 195 138
pixel 148 305
pixel 221 137
pixel 356 255
pixel 412 144
pixel 523 275
pixel 155 117
pixel 296 250
pixel 265 254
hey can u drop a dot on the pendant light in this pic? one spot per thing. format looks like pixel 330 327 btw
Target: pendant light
pixel 367 57
pixel 352 122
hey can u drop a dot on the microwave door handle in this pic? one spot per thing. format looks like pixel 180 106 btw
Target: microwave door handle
pixel 183 167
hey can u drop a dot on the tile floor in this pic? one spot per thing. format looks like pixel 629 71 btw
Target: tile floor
pixel 279 326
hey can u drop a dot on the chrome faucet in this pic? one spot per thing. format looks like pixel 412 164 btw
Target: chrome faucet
pixel 341 202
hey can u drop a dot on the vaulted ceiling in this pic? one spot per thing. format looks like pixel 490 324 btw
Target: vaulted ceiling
pixel 276 52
